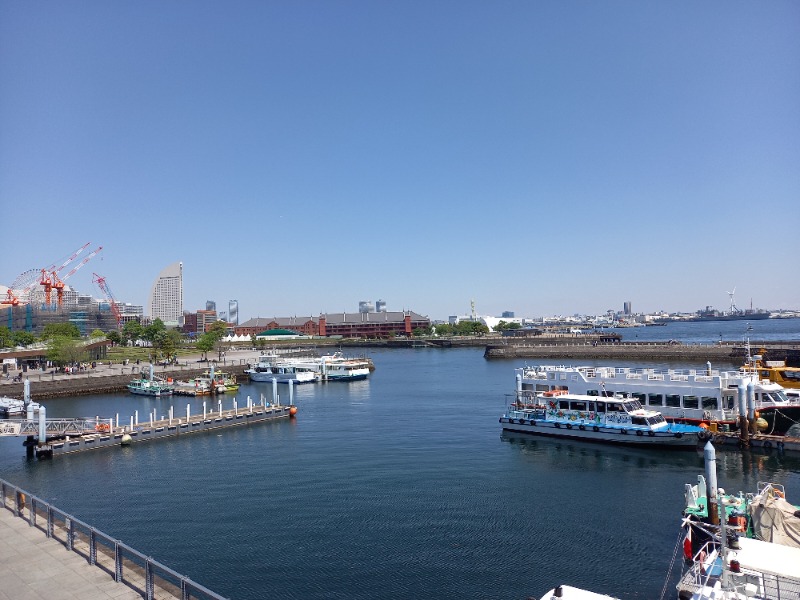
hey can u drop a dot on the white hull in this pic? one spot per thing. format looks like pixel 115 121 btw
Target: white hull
pixel 297 377
pixel 605 434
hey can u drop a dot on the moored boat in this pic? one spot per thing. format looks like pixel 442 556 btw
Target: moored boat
pixel 336 367
pixel 283 370
pixel 11 407
pixel 621 421
pixel 691 396
pixel 150 386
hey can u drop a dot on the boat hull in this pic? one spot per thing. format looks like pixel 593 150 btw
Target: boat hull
pixel 673 438
pixel 282 377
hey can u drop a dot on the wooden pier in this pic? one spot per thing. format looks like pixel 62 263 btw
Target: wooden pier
pixel 48 438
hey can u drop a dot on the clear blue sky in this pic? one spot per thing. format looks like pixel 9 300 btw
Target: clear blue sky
pixel 544 157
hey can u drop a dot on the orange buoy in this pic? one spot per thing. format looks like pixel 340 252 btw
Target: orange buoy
pixel 704 425
pixel 292 410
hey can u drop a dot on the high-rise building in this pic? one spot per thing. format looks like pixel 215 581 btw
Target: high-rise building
pixel 626 308
pixel 507 314
pixel 166 297
pixel 380 306
pixel 233 312
pixel 211 305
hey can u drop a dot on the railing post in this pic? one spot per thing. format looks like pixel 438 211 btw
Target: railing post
pixel 184 589
pixel 92 547
pixel 117 562
pixel 32 513
pixel 70 533
pixel 49 521
pixel 148 579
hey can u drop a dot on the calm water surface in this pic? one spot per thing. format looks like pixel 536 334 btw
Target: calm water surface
pixel 398 486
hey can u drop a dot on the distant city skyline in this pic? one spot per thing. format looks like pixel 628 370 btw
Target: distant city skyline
pixel 540 157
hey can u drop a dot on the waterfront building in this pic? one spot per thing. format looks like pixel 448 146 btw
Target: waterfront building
pixel 166 296
pixel 361 325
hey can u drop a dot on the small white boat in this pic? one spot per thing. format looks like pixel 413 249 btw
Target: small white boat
pixel 335 367
pixel 10 407
pixel 566 592
pixel 620 421
pixel 283 370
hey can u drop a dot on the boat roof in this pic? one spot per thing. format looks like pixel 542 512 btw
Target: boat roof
pixel 767 557
pixel 572 593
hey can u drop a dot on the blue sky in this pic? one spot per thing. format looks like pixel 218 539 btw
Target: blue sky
pixel 541 157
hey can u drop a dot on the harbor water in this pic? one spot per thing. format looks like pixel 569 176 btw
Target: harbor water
pixel 397 486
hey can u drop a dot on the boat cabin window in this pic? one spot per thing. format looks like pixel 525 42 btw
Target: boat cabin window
pixel 642 398
pixel 578 405
pixel 708 403
pixel 592 406
pixel 614 407
pixel 728 402
pixel 563 404
pixel 656 419
pixel 793 376
pixel 673 400
pixel 632 405
pixel 638 421
pixel 592 393
pixel 691 402
pixel 607 394
pixel 655 399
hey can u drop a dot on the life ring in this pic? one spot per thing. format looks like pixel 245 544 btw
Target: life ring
pixel 639 433
pixel 596 428
pixel 706 415
pixel 101 427
pixel 767 445
pixel 569 425
pixel 557 425
pixel 581 427
pixel 521 421
pixel 533 422
pixel 624 432
pixel 651 433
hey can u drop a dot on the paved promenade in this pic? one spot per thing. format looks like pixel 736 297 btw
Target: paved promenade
pixel 33 567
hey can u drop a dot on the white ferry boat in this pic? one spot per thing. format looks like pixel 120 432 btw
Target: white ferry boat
pixel 150 386
pixel 599 419
pixel 336 367
pixel 682 395
pixel 283 370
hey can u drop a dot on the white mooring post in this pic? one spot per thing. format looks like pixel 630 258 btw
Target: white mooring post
pixel 136 417
pixel 249 404
pixel 152 415
pixel 42 425
pixel 116 420
pixel 235 408
pixel 291 392
pixel 171 412
pixel 275 391
pixel 219 407
pixel 205 414
pixel 188 412
pixel 131 422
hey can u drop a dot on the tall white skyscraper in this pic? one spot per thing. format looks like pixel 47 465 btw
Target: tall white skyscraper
pixel 233 311
pixel 166 297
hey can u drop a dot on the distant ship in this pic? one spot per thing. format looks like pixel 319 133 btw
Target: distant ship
pixel 744 315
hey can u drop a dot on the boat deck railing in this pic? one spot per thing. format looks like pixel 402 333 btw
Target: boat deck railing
pixel 124 564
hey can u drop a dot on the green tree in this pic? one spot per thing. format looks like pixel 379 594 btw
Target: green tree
pixel 132 331
pixel 151 331
pixel 64 350
pixel 443 329
pixel 5 337
pixel 66 329
pixel 114 337
pixel 97 333
pixel 422 331
pixel 205 344
pixel 22 338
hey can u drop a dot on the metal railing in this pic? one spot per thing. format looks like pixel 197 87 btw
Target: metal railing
pixel 125 565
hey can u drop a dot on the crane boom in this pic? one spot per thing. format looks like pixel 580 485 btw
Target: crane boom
pixel 103 285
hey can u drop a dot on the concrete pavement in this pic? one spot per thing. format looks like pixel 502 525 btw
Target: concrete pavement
pixel 33 567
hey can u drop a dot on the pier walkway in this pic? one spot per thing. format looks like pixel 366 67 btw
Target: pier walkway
pixel 47 554
pixel 37 568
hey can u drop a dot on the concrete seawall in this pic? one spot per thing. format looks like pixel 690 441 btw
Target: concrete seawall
pixel 699 354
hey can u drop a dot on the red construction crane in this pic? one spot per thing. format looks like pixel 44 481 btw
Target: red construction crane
pixel 58 284
pixel 103 285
